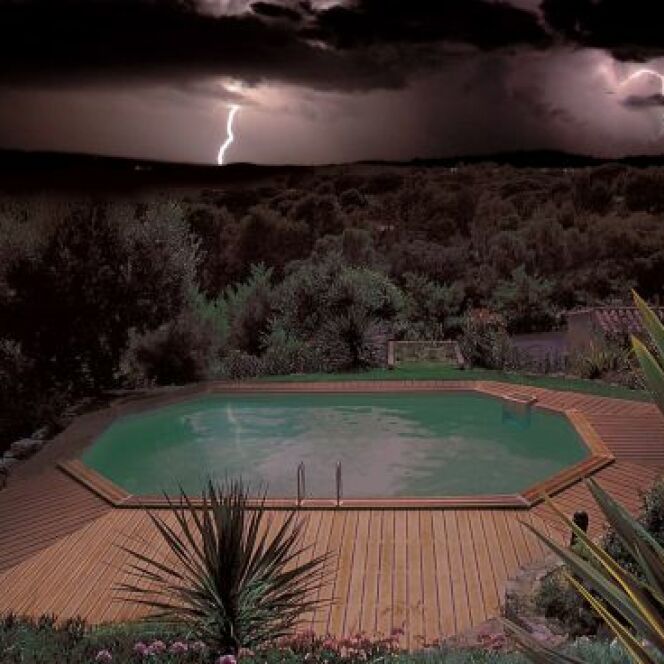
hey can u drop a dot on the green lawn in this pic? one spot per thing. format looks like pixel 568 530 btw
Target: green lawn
pixel 432 371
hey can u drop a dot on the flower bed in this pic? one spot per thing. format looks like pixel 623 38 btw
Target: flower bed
pixel 45 640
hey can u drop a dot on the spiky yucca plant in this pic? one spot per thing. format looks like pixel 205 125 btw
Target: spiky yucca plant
pixel 234 578
pixel 652 363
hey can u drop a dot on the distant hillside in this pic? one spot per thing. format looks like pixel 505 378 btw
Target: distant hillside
pixel 55 170
pixel 19 170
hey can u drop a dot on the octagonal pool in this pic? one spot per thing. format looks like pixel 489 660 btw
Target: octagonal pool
pixel 389 444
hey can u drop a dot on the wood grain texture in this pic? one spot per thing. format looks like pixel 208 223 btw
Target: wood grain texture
pixel 434 572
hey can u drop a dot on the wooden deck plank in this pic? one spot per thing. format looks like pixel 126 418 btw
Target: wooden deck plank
pixel 400 573
pixel 494 544
pixel 353 606
pixel 330 537
pixel 447 619
pixel 348 545
pixel 471 569
pixel 462 613
pixel 430 606
pixel 370 588
pixel 313 619
pixel 384 617
pixel 92 603
pixel 414 547
pixel 485 567
pixel 433 571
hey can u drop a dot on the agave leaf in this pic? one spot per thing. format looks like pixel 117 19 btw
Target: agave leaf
pixel 651 322
pixel 603 498
pixel 636 539
pixel 653 569
pixel 652 370
pixel 623 578
pixel 636 651
pixel 626 596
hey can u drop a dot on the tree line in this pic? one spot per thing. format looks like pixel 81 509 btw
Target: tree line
pixel 307 271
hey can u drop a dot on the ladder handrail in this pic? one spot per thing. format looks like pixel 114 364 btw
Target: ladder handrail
pixel 339 482
pixel 301 483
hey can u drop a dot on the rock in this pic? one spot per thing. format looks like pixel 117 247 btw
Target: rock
pixel 22 449
pixel 545 631
pixel 489 635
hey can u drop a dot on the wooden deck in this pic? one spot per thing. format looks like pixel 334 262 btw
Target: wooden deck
pixel 434 572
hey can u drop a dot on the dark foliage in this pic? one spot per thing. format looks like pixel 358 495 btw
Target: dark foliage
pixel 338 259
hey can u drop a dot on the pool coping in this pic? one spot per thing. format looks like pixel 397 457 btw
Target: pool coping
pixel 599 453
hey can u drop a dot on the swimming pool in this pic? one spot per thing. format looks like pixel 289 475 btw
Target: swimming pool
pixel 388 444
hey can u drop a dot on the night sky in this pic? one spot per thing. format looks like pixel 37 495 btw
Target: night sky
pixel 320 81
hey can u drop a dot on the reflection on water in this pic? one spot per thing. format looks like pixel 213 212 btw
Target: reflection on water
pixel 388 444
pixel 517 415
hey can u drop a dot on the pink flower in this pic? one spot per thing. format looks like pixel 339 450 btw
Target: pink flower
pixel 198 646
pixel 157 647
pixel 177 648
pixel 245 652
pixel 226 659
pixel 141 649
pixel 104 656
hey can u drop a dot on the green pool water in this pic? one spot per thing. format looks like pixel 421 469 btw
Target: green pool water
pixel 389 444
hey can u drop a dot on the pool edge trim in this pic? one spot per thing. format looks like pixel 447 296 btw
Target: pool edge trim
pixel 599 454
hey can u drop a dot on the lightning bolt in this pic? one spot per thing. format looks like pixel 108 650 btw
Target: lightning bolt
pixel 232 110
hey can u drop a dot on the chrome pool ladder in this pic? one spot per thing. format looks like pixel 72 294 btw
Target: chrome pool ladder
pixel 301 483
pixel 339 483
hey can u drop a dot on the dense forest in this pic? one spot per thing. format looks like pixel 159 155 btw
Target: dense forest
pixel 305 270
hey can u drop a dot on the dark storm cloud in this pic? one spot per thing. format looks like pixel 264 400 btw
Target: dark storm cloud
pixel 73 41
pixel 643 101
pixel 271 10
pixel 372 44
pixel 488 25
pixel 628 29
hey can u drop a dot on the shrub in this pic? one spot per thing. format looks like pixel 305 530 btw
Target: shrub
pixel 352 198
pixel 342 310
pixel 602 358
pixel 286 354
pixel 72 641
pixel 249 310
pixel 184 350
pixel 27 400
pixel 484 341
pixel 555 598
pixel 525 302
pixel 238 364
pixel 351 341
pixel 431 309
pixel 26 640
pixel 101 272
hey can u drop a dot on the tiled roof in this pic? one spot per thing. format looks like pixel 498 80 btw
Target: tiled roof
pixel 615 320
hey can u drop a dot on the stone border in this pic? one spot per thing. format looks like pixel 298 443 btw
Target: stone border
pixel 599 457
